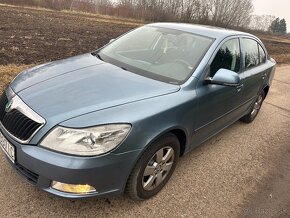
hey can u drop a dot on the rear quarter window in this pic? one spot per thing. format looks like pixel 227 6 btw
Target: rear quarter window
pixel 262 54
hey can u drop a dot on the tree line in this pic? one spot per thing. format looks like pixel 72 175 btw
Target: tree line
pixel 224 13
pixel 216 12
pixel 278 26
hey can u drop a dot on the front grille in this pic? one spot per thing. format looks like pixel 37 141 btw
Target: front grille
pixel 29 175
pixel 16 123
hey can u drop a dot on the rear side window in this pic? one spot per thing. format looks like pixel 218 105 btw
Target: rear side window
pixel 251 53
pixel 228 57
pixel 262 54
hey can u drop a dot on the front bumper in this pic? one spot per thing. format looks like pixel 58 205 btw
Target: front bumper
pixel 108 173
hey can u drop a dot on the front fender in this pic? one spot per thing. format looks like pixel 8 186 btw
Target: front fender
pixel 149 118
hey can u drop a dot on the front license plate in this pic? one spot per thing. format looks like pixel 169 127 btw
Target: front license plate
pixel 8 149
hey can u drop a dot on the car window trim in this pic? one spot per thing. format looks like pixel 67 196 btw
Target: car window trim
pixel 207 68
pixel 259 45
pixel 259 42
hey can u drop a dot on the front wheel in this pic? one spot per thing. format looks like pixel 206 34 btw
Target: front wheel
pixel 154 168
pixel 248 118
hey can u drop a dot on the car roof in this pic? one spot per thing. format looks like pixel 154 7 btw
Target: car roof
pixel 208 31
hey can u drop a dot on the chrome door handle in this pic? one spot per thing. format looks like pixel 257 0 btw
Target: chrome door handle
pixel 240 86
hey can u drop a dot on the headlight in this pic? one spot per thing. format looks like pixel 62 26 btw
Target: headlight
pixel 86 142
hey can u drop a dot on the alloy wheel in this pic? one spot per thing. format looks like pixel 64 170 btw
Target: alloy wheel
pixel 158 168
pixel 257 106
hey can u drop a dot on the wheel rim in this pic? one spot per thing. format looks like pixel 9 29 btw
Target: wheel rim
pixel 158 168
pixel 257 106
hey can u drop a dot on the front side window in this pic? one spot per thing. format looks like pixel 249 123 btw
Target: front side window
pixel 228 57
pixel 251 53
pixel 159 53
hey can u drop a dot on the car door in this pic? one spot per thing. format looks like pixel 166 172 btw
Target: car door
pixel 217 104
pixel 254 68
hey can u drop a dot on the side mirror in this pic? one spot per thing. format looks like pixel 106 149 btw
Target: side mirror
pixel 225 78
pixel 112 40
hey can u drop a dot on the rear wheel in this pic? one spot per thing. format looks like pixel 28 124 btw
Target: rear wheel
pixel 255 109
pixel 154 168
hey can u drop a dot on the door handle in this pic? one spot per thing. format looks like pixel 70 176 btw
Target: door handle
pixel 239 87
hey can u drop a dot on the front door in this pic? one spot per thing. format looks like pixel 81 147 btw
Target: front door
pixel 218 106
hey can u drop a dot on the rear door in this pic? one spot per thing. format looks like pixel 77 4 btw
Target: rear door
pixel 254 68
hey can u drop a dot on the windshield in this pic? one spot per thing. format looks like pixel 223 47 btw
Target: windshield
pixel 159 53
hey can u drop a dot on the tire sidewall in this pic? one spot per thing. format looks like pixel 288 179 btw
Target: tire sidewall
pixel 168 141
pixel 263 97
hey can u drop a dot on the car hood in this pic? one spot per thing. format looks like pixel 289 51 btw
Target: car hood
pixel 75 86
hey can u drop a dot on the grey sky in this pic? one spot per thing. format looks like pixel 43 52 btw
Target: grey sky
pixel 278 8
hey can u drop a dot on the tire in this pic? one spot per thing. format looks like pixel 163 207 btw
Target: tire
pixel 248 118
pixel 141 186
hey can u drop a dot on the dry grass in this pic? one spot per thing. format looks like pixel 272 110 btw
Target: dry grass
pixel 106 18
pixel 8 72
pixel 279 39
pixel 282 58
pixel 278 47
pixel 95 17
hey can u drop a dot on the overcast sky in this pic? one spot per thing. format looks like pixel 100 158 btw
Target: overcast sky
pixel 278 8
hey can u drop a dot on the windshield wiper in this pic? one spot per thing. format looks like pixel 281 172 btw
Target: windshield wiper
pixel 98 56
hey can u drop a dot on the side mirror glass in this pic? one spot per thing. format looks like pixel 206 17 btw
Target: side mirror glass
pixel 225 78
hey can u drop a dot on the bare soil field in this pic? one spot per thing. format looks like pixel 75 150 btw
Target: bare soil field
pixel 30 35
pixel 35 35
pixel 278 47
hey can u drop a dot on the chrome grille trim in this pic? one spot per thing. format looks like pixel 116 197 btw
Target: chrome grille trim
pixel 18 105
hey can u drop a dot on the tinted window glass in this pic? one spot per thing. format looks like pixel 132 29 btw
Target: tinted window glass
pixel 262 54
pixel 228 57
pixel 251 53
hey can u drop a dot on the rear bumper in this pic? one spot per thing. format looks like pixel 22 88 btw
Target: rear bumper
pixel 108 173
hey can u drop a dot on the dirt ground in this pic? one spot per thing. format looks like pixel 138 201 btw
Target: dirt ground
pixel 241 172
pixel 35 36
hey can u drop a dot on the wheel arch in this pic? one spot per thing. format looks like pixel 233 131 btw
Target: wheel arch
pixel 181 136
pixel 266 90
pixel 179 132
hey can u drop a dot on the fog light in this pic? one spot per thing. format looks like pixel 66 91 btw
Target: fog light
pixel 70 188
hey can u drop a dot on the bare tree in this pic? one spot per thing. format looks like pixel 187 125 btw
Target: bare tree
pixel 225 13
pixel 236 13
pixel 261 22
